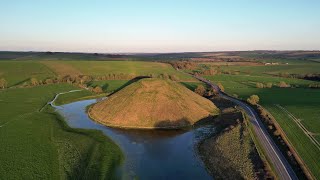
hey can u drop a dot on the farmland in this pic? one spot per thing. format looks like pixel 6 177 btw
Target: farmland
pixel 302 102
pixel 39 137
pixel 39 145
pixel 293 67
pixel 18 72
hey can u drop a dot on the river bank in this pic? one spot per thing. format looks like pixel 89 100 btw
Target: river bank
pixel 230 153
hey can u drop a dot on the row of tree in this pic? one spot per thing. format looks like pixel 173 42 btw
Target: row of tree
pixel 310 76
pixel 281 84
pixel 187 65
pixel 261 85
pixel 314 85
pixel 202 91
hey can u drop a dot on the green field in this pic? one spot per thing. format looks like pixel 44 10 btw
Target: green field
pixel 110 85
pixel 39 145
pixel 293 67
pixel 17 72
pixel 138 68
pixel 302 102
pixel 76 96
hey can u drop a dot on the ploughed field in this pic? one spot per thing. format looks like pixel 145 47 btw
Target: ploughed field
pixel 287 105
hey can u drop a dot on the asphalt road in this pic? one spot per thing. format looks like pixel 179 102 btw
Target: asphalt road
pixel 280 164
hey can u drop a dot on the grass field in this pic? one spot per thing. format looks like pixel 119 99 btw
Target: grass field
pixel 138 68
pixel 39 145
pixel 297 68
pixel 16 72
pixel 76 96
pixel 109 85
pixel 302 102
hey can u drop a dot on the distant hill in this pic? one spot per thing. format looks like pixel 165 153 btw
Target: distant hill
pixel 153 103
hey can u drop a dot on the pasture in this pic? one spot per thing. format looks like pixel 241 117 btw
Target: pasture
pixel 302 102
pixel 303 68
pixel 137 68
pixel 293 67
pixel 39 145
pixel 18 72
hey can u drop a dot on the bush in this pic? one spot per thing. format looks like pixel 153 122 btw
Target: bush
pixel 97 89
pixel 314 85
pixel 173 77
pixel 269 85
pixel 49 81
pixel 259 85
pixel 220 87
pixel 200 90
pixel 283 84
pixel 253 99
pixel 34 82
pixel 212 92
pixel 3 83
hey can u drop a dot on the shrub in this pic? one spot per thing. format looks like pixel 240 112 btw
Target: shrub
pixel 259 85
pixel 200 90
pixel 314 85
pixel 253 99
pixel 3 83
pixel 97 89
pixel 212 92
pixel 283 84
pixel 173 77
pixel 49 81
pixel 269 85
pixel 221 87
pixel 34 82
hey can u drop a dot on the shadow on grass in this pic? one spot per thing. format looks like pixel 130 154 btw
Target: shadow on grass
pixel 130 82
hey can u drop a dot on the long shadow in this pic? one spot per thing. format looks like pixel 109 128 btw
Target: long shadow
pixel 130 82
pixel 189 86
pixel 20 82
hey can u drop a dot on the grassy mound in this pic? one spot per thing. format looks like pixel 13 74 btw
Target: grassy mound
pixel 153 103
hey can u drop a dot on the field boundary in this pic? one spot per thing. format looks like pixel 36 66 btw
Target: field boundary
pixel 301 126
pixel 258 146
pixel 291 146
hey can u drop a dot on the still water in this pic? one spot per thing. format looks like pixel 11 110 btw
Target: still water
pixel 149 154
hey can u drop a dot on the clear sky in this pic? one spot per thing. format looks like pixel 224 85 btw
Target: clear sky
pixel 159 25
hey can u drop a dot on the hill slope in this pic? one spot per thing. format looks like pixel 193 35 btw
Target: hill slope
pixel 153 103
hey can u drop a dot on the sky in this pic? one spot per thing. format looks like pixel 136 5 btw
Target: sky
pixel 123 26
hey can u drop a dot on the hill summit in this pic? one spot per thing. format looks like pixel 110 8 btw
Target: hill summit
pixel 153 103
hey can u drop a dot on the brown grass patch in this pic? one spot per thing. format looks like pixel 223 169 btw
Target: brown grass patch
pixel 153 103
